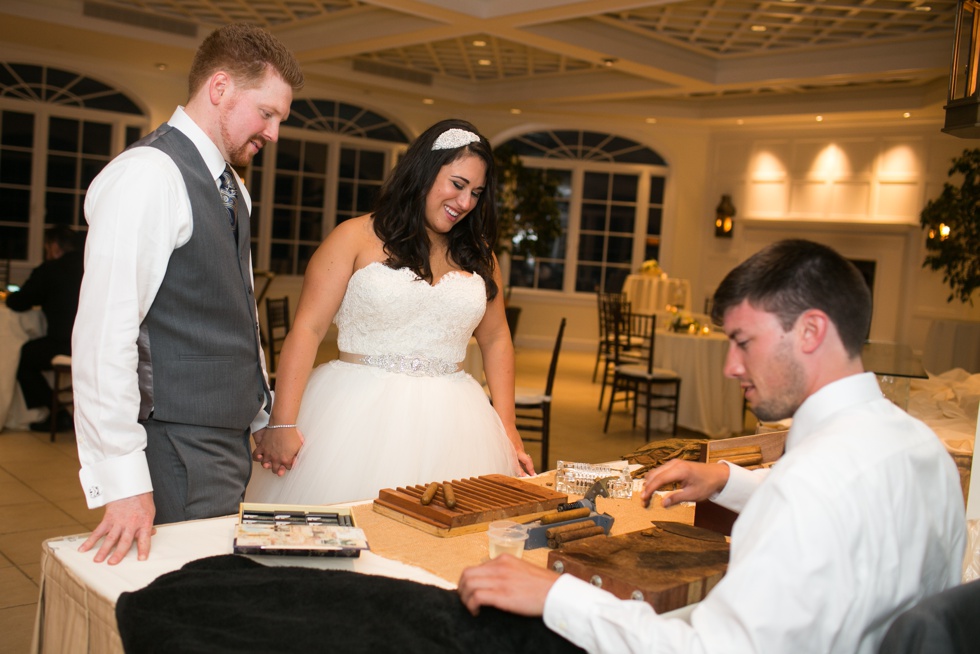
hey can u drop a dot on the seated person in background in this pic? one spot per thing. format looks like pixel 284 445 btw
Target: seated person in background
pixel 54 287
pixel 861 518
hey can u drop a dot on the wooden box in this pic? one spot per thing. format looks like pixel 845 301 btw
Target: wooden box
pixel 479 501
pixel 770 446
pixel 670 565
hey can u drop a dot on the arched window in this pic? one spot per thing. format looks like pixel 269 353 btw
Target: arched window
pixel 611 194
pixel 328 166
pixel 58 129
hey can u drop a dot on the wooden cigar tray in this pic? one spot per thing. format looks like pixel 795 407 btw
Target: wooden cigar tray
pixel 479 501
pixel 670 565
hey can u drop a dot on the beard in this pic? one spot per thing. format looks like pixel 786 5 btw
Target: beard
pixel 791 385
pixel 239 156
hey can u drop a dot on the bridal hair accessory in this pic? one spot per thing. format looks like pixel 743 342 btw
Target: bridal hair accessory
pixel 454 138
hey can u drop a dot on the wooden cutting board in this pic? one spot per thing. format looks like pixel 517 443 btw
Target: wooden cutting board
pixel 479 501
pixel 670 565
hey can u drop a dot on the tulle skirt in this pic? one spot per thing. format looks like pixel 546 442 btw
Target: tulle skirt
pixel 368 429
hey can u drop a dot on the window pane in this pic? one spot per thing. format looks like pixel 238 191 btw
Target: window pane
pixel 521 273
pixel 620 249
pixel 657 190
pixel 63 135
pixel 551 275
pixel 615 277
pixel 372 165
pixel 590 247
pixel 16 204
pixel 313 188
pixel 287 154
pixel 595 186
pixel 622 219
pixel 255 187
pixel 60 208
pixel 594 217
pixel 14 242
pixel 18 129
pixel 654 219
pixel 62 171
pixel 624 188
pixel 15 167
pixel 348 163
pixel 132 135
pixel 366 196
pixel 310 226
pixel 345 197
pixel 286 188
pixel 587 278
pixel 315 158
pixel 96 138
pixel 282 224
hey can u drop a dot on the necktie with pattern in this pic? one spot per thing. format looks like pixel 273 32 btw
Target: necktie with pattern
pixel 229 196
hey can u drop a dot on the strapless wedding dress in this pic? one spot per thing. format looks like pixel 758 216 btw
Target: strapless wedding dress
pixel 400 419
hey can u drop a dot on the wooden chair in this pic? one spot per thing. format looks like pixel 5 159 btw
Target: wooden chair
pixel 277 322
pixel 61 365
pixel 534 406
pixel 653 389
pixel 752 450
pixel 614 308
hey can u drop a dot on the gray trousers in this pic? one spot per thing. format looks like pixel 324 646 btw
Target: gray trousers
pixel 197 472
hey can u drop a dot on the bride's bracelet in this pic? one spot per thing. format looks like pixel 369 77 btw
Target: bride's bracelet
pixel 280 426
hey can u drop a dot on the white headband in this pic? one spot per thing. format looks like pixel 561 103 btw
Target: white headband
pixel 454 138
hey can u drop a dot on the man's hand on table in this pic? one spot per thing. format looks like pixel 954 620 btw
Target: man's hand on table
pixel 124 520
pixel 508 584
pixel 698 481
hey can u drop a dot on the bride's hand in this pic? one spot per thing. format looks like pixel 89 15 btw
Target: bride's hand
pixel 277 449
pixel 527 463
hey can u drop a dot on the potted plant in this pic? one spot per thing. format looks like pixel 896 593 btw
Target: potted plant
pixel 952 223
pixel 529 219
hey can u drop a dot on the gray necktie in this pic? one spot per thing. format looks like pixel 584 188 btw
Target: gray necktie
pixel 229 196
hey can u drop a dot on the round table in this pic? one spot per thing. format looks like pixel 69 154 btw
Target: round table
pixel 16 328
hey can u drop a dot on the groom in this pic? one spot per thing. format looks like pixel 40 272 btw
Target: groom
pixel 167 368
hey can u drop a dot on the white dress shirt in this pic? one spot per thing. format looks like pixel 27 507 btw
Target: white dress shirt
pixel 861 517
pixel 138 213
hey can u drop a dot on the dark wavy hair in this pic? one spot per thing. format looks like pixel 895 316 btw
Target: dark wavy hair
pixel 399 214
pixel 793 276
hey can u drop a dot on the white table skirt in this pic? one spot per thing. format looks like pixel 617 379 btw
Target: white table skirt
pixel 649 294
pixel 16 328
pixel 710 402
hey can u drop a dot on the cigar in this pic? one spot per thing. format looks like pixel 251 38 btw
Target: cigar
pixel 551 532
pixel 429 493
pixel 578 534
pixel 449 496
pixel 551 518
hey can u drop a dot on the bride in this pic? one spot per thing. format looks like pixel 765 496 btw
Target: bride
pixel 407 285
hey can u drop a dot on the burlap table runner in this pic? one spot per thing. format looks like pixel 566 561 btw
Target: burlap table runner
pixel 448 557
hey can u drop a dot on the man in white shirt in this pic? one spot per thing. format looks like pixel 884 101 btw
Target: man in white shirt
pixel 168 372
pixel 861 517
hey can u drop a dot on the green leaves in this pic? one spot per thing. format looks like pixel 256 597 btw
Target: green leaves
pixel 528 216
pixel 956 252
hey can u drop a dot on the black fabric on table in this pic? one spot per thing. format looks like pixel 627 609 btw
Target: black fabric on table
pixel 233 604
pixel 944 623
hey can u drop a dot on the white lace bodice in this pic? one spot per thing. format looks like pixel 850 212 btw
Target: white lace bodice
pixel 388 311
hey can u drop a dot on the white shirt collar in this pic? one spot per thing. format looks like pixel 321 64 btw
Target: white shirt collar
pixel 829 400
pixel 209 151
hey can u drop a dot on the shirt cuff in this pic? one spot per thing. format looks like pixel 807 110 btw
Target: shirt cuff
pixel 741 484
pixel 116 479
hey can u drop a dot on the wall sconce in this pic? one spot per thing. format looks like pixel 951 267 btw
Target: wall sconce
pixel 962 102
pixel 941 234
pixel 724 217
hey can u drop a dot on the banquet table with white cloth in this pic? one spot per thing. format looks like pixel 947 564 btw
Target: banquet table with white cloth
pixel 710 402
pixel 16 328
pixel 648 294
pixel 76 606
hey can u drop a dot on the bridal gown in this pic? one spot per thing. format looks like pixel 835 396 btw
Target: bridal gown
pixel 403 419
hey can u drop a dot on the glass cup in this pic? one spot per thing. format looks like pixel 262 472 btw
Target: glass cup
pixel 506 537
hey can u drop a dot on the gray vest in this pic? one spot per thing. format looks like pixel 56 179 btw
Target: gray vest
pixel 198 345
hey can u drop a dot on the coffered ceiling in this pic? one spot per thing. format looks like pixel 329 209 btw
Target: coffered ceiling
pixel 698 59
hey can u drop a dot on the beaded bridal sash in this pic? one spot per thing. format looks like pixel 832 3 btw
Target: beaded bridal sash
pixel 416 366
